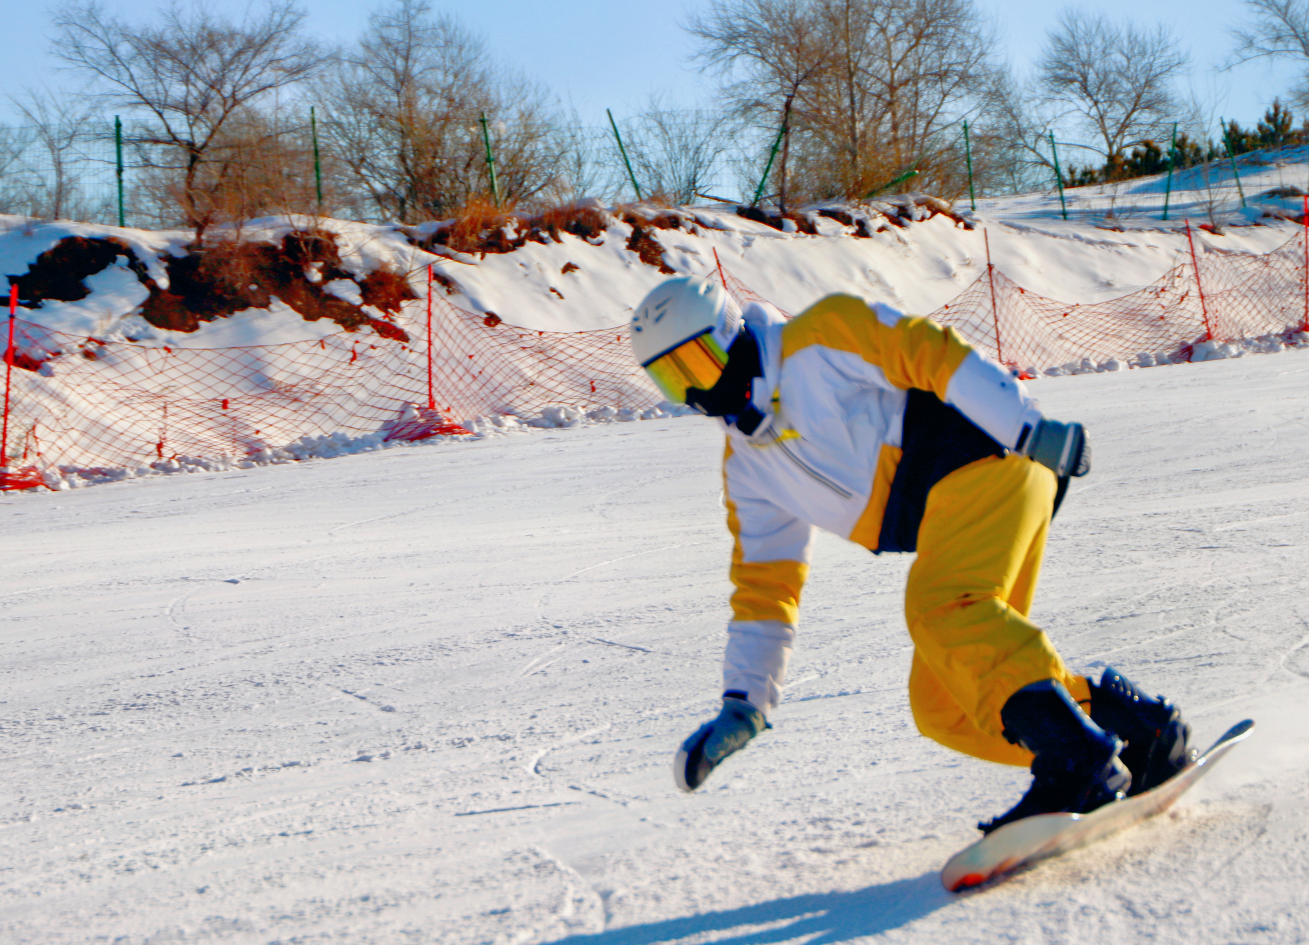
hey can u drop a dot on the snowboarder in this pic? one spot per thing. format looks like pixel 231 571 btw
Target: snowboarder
pixel 896 434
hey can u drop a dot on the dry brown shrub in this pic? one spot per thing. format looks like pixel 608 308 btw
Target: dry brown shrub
pixel 386 290
pixel 481 227
pixel 478 227
pixel 584 222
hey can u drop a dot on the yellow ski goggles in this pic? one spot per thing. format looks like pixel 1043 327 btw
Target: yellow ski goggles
pixel 695 363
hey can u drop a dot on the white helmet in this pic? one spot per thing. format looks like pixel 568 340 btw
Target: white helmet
pixel 681 333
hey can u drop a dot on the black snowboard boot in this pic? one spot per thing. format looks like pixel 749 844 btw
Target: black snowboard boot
pixel 1076 768
pixel 1158 739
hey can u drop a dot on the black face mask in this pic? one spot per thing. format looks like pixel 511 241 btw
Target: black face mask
pixel 730 398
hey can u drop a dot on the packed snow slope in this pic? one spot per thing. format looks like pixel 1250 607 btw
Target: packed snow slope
pixel 433 694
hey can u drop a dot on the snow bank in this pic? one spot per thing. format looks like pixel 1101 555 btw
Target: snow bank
pixel 582 269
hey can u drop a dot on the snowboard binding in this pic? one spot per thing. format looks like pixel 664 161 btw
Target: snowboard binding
pixel 1158 740
pixel 1076 768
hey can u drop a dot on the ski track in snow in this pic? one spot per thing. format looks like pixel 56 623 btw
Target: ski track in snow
pixel 433 696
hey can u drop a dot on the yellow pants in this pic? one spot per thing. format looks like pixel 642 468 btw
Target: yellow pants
pixel 979 553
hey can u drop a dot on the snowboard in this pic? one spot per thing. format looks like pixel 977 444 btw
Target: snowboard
pixel 1032 839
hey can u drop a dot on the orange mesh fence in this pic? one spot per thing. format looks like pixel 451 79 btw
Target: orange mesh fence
pixel 1235 295
pixel 81 404
pixel 89 405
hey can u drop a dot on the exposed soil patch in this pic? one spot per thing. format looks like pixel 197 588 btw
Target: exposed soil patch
pixel 775 220
pixel 661 220
pixel 583 222
pixel 481 230
pixel 648 249
pixel 26 362
pixel 231 276
pixel 858 224
pixel 223 278
pixel 58 274
pixel 451 287
pixel 865 219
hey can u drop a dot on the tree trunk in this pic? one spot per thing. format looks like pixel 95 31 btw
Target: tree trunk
pixel 786 149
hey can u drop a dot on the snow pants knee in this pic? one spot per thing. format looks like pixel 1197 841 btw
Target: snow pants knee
pixel 980 547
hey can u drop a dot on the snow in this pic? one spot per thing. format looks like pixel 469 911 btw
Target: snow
pixel 916 268
pixel 432 694
pixel 354 690
pixel 114 290
pixel 277 324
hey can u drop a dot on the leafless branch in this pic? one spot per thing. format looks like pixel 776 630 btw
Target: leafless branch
pixel 193 72
pixel 1116 79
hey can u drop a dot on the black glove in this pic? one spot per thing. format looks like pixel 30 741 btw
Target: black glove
pixel 712 742
pixel 1063 447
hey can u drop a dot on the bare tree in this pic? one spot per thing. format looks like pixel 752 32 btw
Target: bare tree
pixel 1280 30
pixel 404 109
pixel 194 73
pixel 769 51
pixel 588 166
pixel 1117 79
pixel 60 124
pixel 675 150
pixel 900 72
pixel 12 198
pixel 1011 136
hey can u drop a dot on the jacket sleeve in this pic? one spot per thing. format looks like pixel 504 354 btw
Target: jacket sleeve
pixel 918 353
pixel 770 561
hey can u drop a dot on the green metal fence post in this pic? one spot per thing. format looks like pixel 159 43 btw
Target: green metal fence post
pixel 623 151
pixel 968 156
pixel 318 164
pixel 1231 154
pixel 1058 176
pixel 490 161
pixel 118 166
pixel 912 172
pixel 768 168
pixel 1172 159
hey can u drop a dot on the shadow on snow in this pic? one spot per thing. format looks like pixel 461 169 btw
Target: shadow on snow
pixel 818 918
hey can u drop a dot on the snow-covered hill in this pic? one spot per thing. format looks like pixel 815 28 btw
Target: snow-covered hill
pixel 432 695
pixel 262 330
pixel 584 268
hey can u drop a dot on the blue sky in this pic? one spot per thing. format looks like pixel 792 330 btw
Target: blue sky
pixel 616 53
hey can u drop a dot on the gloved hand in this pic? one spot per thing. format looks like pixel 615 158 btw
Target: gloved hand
pixel 712 742
pixel 1063 447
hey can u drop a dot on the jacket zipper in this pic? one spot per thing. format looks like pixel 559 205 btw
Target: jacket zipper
pixel 813 473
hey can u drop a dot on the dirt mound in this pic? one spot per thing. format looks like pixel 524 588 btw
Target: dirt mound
pixel 225 277
pixel 59 273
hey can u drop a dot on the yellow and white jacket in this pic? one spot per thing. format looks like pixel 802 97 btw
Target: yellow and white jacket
pixel 834 391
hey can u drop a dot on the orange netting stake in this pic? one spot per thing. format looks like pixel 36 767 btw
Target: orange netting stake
pixel 995 312
pixel 1199 286
pixel 1304 325
pixel 431 393
pixel 9 370
pixel 719 263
